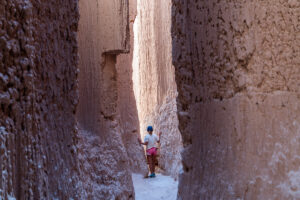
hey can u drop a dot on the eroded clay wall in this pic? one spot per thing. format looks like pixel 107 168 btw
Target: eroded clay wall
pixel 103 34
pixel 38 71
pixel 103 30
pixel 154 79
pixel 237 71
pixel 127 107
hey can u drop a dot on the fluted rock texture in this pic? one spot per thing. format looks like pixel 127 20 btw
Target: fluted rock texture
pixel 103 34
pixel 238 77
pixel 38 70
pixel 43 155
pixel 154 80
pixel 236 67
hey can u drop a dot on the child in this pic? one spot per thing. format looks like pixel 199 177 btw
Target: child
pixel 151 149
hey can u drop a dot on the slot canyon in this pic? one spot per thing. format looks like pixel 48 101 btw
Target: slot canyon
pixel 80 81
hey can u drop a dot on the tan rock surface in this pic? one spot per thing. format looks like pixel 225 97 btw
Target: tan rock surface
pixel 237 71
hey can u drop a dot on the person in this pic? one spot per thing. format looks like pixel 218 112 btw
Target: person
pixel 151 148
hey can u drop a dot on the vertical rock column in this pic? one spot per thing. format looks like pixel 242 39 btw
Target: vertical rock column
pixel 127 106
pixel 154 79
pixel 38 71
pixel 237 71
pixel 103 34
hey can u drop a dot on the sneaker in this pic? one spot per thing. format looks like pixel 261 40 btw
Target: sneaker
pixel 152 175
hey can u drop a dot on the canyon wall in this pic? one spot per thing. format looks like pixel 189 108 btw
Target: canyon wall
pixel 154 80
pixel 238 77
pixel 103 158
pixel 127 108
pixel 38 71
pixel 43 155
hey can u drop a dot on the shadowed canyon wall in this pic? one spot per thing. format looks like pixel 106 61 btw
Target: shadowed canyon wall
pixel 238 77
pixel 43 153
pixel 127 107
pixel 103 34
pixel 154 80
pixel 38 70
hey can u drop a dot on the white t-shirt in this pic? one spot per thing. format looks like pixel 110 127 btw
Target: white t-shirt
pixel 151 139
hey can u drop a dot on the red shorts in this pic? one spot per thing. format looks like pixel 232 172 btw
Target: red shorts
pixel 152 151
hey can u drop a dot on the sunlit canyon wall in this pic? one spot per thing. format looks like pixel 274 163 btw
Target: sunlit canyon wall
pixel 154 80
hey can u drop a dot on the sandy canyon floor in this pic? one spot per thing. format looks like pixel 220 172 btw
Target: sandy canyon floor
pixel 159 188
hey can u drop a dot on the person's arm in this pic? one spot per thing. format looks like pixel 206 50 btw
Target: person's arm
pixel 143 143
pixel 158 141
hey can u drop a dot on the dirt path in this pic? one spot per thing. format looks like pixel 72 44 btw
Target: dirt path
pixel 158 188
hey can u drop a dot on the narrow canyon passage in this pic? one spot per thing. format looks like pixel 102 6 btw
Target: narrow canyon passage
pixel 154 83
pixel 80 81
pixel 155 92
pixel 147 93
pixel 132 88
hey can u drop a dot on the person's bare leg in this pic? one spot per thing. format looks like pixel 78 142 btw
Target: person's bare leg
pixel 153 163
pixel 150 161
